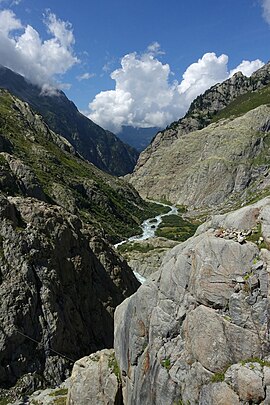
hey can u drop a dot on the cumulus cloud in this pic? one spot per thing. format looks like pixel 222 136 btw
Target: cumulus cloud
pixel 203 74
pixel 8 22
pixel 40 61
pixel 145 96
pixel 247 67
pixel 266 10
pixel 141 96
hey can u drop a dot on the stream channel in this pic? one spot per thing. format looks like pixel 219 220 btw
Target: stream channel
pixel 149 228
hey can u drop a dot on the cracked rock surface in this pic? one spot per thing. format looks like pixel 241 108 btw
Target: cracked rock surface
pixel 197 330
pixel 59 286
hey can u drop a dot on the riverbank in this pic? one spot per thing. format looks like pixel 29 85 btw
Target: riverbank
pixel 150 225
pixel 149 229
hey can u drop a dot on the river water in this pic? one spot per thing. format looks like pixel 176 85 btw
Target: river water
pixel 149 228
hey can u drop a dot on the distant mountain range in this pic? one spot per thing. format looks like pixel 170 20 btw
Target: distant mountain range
pixel 138 138
pixel 95 144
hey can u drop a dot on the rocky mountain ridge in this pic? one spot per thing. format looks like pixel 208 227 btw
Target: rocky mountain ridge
pixel 204 108
pixel 100 147
pixel 221 166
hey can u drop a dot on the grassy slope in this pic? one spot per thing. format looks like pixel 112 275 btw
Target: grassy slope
pixel 244 103
pixel 174 227
pixel 114 205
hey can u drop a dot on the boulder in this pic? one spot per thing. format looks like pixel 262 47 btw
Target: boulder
pixel 95 379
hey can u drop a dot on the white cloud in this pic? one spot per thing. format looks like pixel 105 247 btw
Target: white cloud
pixel 142 89
pixel 85 76
pixel 266 10
pixel 61 30
pixel 8 22
pixel 144 95
pixel 247 67
pixel 203 74
pixel 154 49
pixel 12 2
pixel 40 61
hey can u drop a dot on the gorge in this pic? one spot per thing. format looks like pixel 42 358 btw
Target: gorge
pixel 197 330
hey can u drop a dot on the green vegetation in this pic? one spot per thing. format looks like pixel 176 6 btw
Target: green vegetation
pixel 255 236
pixel 166 363
pixel 218 377
pixel 60 401
pixel 5 401
pixel 227 318
pixel 113 365
pixel 102 201
pixel 247 276
pixel 176 228
pixel 135 246
pixel 157 208
pixel 262 363
pixel 61 391
pixel 244 103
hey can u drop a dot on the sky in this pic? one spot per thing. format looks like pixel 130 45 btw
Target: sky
pixel 138 63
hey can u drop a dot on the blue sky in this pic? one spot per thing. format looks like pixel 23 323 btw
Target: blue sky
pixel 82 44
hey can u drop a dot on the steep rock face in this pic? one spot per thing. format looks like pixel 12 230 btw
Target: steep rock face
pixel 203 109
pixel 225 163
pixel 197 330
pixel 57 297
pixel 95 144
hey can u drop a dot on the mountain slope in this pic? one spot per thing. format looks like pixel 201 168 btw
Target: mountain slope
pixel 38 163
pixel 224 164
pixel 95 144
pixel 57 292
pixel 138 138
pixel 60 279
pixel 204 108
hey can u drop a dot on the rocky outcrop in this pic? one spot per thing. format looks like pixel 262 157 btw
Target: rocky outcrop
pixel 197 331
pixel 224 164
pixel 26 180
pixel 57 295
pixel 95 380
pixel 95 144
